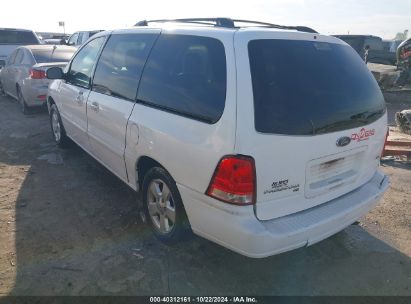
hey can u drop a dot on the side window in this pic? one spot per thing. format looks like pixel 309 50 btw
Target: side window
pixel 120 65
pixel 186 75
pixel 12 57
pixel 73 39
pixel 82 65
pixel 19 57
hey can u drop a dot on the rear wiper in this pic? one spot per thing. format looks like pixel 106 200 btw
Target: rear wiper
pixel 354 121
pixel 335 126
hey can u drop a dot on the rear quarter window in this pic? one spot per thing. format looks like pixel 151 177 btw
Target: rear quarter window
pixel 186 75
pixel 307 87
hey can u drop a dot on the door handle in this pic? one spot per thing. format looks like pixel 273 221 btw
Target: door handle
pixel 94 106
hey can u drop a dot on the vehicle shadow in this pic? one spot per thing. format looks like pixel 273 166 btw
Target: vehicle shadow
pixel 396 164
pixel 72 228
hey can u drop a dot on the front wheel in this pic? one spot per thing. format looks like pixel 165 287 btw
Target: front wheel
pixel 57 128
pixel 163 206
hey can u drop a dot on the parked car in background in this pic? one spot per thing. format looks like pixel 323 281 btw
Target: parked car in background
pixel 375 46
pixel 78 38
pixel 229 130
pixel 51 35
pixel 11 38
pixel 404 62
pixel 391 45
pixel 54 41
pixel 404 54
pixel 53 38
pixel 24 75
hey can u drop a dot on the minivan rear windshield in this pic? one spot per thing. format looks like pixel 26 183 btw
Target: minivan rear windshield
pixel 307 87
pixel 17 37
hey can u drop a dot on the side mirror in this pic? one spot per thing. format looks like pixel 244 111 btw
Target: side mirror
pixel 55 73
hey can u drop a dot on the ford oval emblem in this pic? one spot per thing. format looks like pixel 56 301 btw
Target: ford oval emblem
pixel 343 141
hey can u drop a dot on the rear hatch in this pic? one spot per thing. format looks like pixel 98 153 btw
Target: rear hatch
pixel 310 114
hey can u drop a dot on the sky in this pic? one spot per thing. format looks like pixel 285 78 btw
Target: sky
pixel 382 18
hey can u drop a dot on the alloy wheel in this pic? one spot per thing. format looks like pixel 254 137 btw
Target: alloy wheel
pixel 55 125
pixel 161 207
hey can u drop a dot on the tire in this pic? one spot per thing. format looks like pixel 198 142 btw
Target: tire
pixel 163 207
pixel 57 128
pixel 23 105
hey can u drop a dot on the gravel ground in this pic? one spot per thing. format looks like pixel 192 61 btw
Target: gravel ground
pixel 69 227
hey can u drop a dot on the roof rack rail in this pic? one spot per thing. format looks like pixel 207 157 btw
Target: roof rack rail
pixel 221 22
pixel 283 27
pixel 227 23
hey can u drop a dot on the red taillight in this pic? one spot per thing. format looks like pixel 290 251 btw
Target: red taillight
pixel 234 181
pixel 37 74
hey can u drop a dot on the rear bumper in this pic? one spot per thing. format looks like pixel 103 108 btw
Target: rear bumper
pixel 32 90
pixel 238 229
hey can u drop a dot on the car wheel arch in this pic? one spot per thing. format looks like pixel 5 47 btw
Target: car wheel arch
pixel 19 87
pixel 143 165
pixel 50 102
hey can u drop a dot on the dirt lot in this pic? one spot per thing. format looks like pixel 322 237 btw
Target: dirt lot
pixel 69 227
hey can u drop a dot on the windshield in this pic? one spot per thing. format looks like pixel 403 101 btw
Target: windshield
pixel 306 87
pixel 42 56
pixel 17 37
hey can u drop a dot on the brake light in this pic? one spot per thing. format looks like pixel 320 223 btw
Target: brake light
pixel 37 74
pixel 234 181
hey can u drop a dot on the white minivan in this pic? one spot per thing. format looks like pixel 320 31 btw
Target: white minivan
pixel 259 137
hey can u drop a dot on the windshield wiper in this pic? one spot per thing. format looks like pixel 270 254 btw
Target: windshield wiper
pixel 356 120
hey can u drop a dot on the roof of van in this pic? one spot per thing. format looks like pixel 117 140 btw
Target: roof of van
pixel 201 30
pixel 193 29
pixel 226 23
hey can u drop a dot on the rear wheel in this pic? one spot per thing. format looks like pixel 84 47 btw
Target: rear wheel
pixel 163 206
pixel 57 128
pixel 23 105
